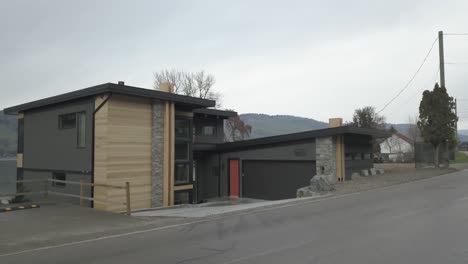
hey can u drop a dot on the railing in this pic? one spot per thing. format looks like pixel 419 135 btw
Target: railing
pixel 45 192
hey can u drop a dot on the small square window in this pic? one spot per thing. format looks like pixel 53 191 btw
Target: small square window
pixel 67 121
pixel 60 177
pixel 182 173
pixel 208 130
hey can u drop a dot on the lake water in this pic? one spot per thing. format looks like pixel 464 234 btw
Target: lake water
pixel 7 176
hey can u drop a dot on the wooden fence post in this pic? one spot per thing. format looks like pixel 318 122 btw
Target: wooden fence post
pixel 81 192
pixel 127 192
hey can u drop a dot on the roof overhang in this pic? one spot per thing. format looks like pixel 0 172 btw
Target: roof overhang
pixel 182 101
pixel 224 114
pixel 302 136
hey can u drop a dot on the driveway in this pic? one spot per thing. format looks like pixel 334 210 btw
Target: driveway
pixel 417 222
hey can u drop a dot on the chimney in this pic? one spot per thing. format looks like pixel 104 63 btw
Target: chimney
pixel 166 87
pixel 335 122
pixel 121 83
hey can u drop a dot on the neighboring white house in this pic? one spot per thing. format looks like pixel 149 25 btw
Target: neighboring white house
pixel 398 148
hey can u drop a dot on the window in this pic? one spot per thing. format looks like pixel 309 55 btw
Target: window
pixel 60 176
pixel 182 128
pixel 81 129
pixel 208 130
pixel 20 135
pixel 182 173
pixel 183 197
pixel 67 121
pixel 182 151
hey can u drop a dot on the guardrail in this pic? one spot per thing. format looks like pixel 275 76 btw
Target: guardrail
pixel 45 192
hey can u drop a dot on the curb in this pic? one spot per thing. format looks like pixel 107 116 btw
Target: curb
pixel 19 207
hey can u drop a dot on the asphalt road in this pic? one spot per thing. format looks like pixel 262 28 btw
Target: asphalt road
pixel 420 222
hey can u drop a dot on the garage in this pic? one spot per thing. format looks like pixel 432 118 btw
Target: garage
pixel 275 180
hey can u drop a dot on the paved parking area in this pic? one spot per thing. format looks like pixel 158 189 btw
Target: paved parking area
pixel 55 223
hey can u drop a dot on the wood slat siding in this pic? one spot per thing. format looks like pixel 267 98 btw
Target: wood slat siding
pixel 123 152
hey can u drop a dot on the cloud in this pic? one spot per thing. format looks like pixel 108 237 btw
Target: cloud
pixel 311 58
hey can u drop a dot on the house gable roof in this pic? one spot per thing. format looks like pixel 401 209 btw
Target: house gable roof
pixel 185 101
pixel 405 138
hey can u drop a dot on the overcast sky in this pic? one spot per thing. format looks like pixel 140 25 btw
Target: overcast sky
pixel 315 59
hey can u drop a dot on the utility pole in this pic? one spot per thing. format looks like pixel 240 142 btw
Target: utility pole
pixel 441 59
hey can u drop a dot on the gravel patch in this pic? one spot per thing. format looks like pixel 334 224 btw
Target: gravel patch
pixel 393 175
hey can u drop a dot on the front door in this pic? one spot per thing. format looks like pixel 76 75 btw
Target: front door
pixel 234 185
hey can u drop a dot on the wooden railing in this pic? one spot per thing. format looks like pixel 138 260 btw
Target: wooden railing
pixel 46 191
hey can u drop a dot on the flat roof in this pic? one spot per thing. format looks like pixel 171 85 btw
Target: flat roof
pixel 301 136
pixel 186 101
pixel 215 112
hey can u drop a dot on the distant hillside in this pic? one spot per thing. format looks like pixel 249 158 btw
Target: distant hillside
pixel 266 125
pixel 8 127
pixel 403 128
pixel 271 125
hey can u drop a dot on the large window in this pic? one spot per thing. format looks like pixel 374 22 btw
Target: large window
pixel 183 151
pixel 182 128
pixel 67 121
pixel 75 120
pixel 81 129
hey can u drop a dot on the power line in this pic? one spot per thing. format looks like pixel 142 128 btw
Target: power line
pixel 456 34
pixel 412 78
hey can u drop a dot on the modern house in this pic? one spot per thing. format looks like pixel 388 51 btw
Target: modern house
pixel 171 148
pixel 397 148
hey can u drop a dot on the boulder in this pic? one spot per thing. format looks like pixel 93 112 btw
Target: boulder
pixel 380 171
pixel 365 173
pixel 318 185
pixel 373 171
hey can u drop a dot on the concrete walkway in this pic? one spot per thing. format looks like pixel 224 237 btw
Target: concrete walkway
pixel 216 207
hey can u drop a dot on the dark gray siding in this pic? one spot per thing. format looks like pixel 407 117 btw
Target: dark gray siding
pixel 68 189
pixel 48 148
pixel 7 176
pixel 207 177
pixel 200 121
pixel 357 145
pixel 299 151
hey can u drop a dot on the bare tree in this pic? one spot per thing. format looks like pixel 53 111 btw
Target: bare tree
pixel 237 129
pixel 198 84
pixel 173 76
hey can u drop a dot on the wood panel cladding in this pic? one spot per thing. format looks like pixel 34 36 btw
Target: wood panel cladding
pixel 122 152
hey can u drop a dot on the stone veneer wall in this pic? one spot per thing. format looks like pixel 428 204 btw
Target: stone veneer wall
pixel 325 149
pixel 157 148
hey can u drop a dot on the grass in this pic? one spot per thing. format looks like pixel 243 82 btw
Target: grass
pixel 461 157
